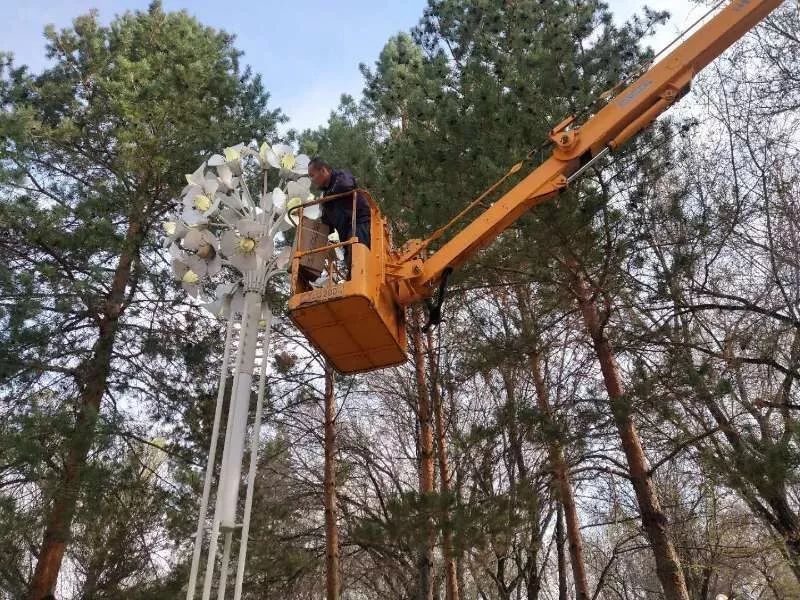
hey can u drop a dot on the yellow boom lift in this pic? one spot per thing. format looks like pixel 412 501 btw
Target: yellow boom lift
pixel 359 323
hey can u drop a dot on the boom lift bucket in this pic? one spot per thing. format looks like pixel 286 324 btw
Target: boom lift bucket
pixel 351 318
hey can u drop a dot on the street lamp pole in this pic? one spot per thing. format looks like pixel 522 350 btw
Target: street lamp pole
pixel 217 200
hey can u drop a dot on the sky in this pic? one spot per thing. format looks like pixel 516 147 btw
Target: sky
pixel 306 52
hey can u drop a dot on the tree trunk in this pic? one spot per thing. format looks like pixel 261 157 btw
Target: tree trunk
pixel 94 379
pixel 654 521
pixel 560 555
pixel 563 484
pixel 425 563
pixel 534 575
pixel 332 583
pixel 451 579
pixel 561 477
pixel 519 481
pixel 458 493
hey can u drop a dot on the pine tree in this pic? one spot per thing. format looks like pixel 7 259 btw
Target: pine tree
pixel 92 154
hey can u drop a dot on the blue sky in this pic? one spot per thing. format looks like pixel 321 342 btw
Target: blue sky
pixel 307 52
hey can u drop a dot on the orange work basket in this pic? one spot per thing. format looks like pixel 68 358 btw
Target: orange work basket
pixel 352 320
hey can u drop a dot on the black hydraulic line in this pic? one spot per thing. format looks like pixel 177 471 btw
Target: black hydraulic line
pixel 435 306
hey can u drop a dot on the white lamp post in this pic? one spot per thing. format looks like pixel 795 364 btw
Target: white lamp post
pixel 217 201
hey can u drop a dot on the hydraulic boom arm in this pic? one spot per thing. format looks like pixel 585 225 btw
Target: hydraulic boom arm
pixel 627 114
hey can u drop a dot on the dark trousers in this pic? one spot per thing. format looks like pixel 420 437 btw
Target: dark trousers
pixel 363 235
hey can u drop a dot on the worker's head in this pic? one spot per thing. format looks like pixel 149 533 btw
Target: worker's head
pixel 320 172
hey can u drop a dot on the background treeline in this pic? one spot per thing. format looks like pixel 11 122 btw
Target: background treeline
pixel 609 409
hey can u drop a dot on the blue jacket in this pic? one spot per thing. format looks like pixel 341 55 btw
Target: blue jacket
pixel 339 213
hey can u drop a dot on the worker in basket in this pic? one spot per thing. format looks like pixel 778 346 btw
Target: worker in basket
pixel 338 213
